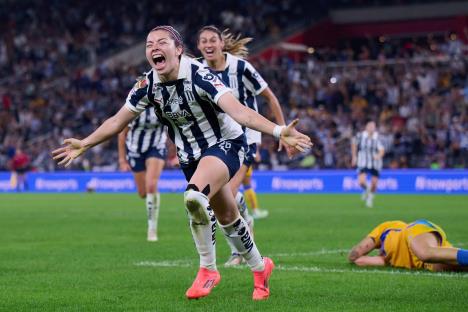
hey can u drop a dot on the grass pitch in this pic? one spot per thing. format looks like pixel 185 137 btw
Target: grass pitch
pixel 88 252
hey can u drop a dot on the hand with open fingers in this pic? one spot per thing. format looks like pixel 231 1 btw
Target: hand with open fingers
pixel 65 155
pixel 295 139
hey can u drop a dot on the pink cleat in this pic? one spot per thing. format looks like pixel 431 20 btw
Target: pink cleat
pixel 261 287
pixel 205 281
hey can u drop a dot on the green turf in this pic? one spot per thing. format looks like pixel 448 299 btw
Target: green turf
pixel 80 253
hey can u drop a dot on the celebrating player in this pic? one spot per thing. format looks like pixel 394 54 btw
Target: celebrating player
pixel 421 244
pixel 142 149
pixel 367 153
pixel 201 114
pixel 225 55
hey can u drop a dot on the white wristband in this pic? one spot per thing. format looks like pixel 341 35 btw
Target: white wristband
pixel 277 131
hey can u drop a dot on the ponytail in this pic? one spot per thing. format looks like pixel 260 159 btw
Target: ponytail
pixel 235 44
pixel 232 44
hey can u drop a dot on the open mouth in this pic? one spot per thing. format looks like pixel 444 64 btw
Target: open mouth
pixel 209 52
pixel 159 60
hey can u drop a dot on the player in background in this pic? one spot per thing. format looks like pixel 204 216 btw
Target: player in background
pixel 142 149
pixel 419 245
pixel 367 153
pixel 19 165
pixel 203 119
pixel 225 55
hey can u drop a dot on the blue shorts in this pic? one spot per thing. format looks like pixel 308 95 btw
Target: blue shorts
pixel 373 172
pixel 231 153
pixel 137 161
pixel 249 158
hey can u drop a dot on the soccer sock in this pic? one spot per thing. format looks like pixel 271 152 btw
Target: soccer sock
pixel 239 234
pixel 203 227
pixel 244 212
pixel 251 197
pixel 150 209
pixel 157 200
pixel 462 257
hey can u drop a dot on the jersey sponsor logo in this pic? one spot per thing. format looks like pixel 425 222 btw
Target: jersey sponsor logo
pixel 175 101
pixel 209 77
pixel 177 115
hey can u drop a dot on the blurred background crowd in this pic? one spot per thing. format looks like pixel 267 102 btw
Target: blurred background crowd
pixel 414 86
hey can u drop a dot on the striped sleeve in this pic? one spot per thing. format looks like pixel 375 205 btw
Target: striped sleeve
pixel 137 99
pixel 252 79
pixel 209 86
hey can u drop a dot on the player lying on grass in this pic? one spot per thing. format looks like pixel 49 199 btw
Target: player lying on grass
pixel 418 245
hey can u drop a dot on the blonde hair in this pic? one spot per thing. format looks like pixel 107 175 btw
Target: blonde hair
pixel 232 44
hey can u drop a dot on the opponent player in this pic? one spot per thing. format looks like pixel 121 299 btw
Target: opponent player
pixel 417 245
pixel 142 149
pixel 225 54
pixel 201 114
pixel 367 153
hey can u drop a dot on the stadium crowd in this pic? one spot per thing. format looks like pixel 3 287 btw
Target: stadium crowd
pixel 420 101
pixel 415 89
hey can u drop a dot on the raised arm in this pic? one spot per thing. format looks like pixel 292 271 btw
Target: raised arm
pixel 74 148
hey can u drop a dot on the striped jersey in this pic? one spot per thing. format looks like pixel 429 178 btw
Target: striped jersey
pixel 146 131
pixel 367 147
pixel 188 107
pixel 246 83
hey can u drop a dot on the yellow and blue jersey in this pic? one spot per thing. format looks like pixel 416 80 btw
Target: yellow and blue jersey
pixel 394 237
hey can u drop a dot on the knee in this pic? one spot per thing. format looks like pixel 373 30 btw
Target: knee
pixel 197 205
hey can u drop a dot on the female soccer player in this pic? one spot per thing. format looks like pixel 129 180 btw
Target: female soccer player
pixel 417 245
pixel 367 153
pixel 201 114
pixel 225 55
pixel 142 149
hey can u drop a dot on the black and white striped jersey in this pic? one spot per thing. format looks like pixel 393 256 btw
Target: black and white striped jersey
pixel 246 83
pixel 368 146
pixel 146 131
pixel 188 107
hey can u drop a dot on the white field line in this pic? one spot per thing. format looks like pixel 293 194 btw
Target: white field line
pixel 313 269
pixel 311 253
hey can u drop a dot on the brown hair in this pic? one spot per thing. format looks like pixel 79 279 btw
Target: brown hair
pixel 173 33
pixel 232 44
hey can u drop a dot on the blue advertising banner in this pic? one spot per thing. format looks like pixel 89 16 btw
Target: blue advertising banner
pixel 312 181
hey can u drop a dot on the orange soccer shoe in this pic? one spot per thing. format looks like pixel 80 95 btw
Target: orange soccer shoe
pixel 261 287
pixel 205 281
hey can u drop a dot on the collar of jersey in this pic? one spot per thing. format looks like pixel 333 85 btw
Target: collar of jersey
pixel 184 71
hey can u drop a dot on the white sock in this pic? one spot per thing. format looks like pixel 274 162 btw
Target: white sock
pixel 157 201
pixel 203 227
pixel 150 209
pixel 238 234
pixel 244 212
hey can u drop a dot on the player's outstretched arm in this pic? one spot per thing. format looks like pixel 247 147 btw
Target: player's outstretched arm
pixel 253 120
pixel 74 148
pixel 363 248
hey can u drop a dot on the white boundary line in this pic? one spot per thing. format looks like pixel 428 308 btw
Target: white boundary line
pixel 311 253
pixel 312 269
